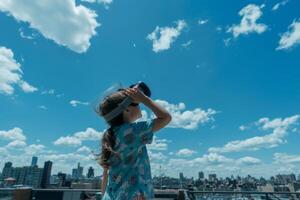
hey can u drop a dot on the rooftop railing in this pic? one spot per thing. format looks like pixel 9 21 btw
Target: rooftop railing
pixel 241 195
pixel 74 194
pixel 92 194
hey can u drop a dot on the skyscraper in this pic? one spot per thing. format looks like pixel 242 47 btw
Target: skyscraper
pixel 201 175
pixel 27 175
pixel 7 169
pixel 46 174
pixel 181 177
pixel 34 160
pixel 212 177
pixel 90 173
pixel 77 173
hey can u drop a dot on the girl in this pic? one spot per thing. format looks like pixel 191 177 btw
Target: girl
pixel 124 156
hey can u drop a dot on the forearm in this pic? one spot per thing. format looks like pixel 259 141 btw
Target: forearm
pixel 158 110
pixel 104 182
pixel 103 186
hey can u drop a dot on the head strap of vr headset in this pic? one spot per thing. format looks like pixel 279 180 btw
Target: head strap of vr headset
pixel 118 110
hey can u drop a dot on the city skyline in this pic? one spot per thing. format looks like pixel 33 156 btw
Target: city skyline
pixel 229 75
pixel 77 173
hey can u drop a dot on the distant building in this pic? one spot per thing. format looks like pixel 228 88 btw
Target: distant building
pixel 286 178
pixel 6 170
pixel 34 160
pixel 90 173
pixel 181 177
pixel 298 178
pixel 27 175
pixel 212 177
pixel 46 174
pixel 201 175
pixel 61 179
pixel 77 173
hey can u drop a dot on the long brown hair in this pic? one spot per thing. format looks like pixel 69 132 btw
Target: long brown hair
pixel 108 140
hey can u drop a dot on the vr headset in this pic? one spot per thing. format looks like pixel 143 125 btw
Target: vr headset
pixel 128 100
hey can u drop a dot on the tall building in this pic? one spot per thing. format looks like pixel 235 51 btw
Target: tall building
pixel 61 179
pixel 286 178
pixel 90 173
pixel 212 177
pixel 6 170
pixel 34 160
pixel 27 175
pixel 77 172
pixel 46 174
pixel 298 178
pixel 201 175
pixel 181 177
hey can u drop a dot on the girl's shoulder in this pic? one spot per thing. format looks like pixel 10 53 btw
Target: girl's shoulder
pixel 142 126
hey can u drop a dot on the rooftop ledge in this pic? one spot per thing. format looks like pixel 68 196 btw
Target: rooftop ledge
pixel 167 194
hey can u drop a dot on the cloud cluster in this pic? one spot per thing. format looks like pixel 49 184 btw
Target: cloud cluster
pixel 75 103
pixel 279 128
pixel 77 138
pixel 283 158
pixel 290 38
pixel 158 144
pixel 186 119
pixel 20 154
pixel 185 152
pixel 250 14
pixel 11 74
pixel 64 22
pixel 163 37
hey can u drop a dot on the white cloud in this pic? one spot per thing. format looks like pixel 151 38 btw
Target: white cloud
pixel 163 37
pixel 23 35
pixel 75 103
pixel 26 87
pixel 158 144
pixel 13 134
pixel 42 107
pixel 185 152
pixel 219 29
pixel 187 44
pixel 290 38
pixel 250 14
pixel 248 161
pixel 280 4
pixel 35 149
pixel 106 3
pixel 84 149
pixel 77 138
pixel 11 73
pixel 186 119
pixel 283 158
pixel 88 134
pixel 156 157
pixel 202 21
pixel 64 22
pixel 279 129
pixel 68 141
pixel 50 92
pixel 243 127
pixel 16 144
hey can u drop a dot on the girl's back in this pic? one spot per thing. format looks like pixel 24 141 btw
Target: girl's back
pixel 124 157
pixel 130 173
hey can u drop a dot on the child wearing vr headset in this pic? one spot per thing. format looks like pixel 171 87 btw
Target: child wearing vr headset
pixel 124 156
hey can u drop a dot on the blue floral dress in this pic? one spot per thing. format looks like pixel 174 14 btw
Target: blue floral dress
pixel 130 173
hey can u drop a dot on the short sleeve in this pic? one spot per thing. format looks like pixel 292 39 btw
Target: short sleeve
pixel 144 130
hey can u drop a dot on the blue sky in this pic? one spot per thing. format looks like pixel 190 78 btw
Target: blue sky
pixel 228 73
